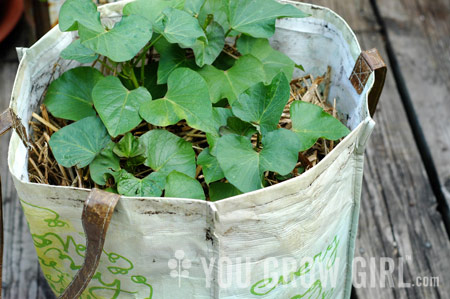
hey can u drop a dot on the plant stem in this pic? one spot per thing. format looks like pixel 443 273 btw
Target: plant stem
pixel 133 77
pixel 258 141
pixel 103 62
pixel 146 48
pixel 228 32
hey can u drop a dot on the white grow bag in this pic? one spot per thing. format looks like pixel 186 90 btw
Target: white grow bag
pixel 252 245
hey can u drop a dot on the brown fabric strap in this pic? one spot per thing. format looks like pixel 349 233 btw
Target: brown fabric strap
pixel 369 61
pixel 97 213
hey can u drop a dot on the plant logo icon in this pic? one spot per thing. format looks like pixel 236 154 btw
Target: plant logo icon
pixel 179 266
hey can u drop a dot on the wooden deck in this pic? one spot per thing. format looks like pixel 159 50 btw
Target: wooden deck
pixel 404 208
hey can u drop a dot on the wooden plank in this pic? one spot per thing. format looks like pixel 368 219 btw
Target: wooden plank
pixel 398 218
pixel 419 33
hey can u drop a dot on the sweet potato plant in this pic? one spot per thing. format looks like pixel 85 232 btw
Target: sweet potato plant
pixel 167 70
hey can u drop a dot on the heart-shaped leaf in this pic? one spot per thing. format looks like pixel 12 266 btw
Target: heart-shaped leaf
pixel 216 8
pixel 273 60
pixel 179 27
pixel 238 127
pixel 172 57
pixel 150 186
pixel 229 84
pixel 257 17
pixel 263 105
pixel 179 185
pixel 69 96
pixel 79 143
pixel 129 147
pixel 187 98
pixel 117 43
pixel 207 50
pixel 117 106
pixel 219 190
pixel 166 152
pixel 76 12
pixel 310 123
pixel 193 6
pixel 210 166
pixel 76 51
pixel 244 167
pixel 220 117
pixel 152 10
pixel 106 163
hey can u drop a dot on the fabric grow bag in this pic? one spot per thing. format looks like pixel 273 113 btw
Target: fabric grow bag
pixel 292 240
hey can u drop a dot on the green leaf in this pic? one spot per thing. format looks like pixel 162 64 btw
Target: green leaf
pixel 69 96
pixel 129 147
pixel 117 106
pixel 105 163
pixel 166 152
pixel 152 10
pixel 76 12
pixel 150 186
pixel 210 166
pixel 231 83
pixel 220 116
pixel 187 98
pixel 79 143
pixel 216 8
pixel 257 17
pixel 179 185
pixel 310 123
pixel 172 57
pixel 180 27
pixel 76 51
pixel 118 44
pixel 244 167
pixel 193 6
pixel 207 50
pixel 219 190
pixel 238 127
pixel 273 60
pixel 263 105
pixel 150 80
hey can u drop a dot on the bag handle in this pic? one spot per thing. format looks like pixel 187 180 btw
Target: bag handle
pixel 97 212
pixel 368 62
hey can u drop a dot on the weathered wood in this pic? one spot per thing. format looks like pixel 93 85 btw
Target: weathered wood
pixel 398 218
pixel 419 34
